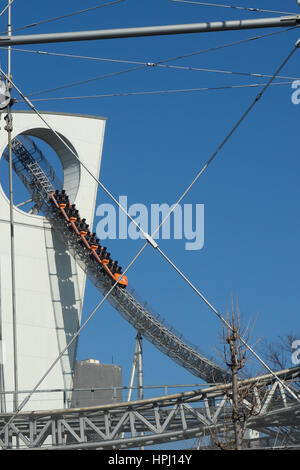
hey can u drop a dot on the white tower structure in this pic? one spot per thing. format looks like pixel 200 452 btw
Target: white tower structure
pixel 49 284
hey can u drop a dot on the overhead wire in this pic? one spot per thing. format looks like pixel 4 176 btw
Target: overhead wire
pixel 67 15
pixel 89 80
pixel 183 56
pixel 231 44
pixel 105 189
pixel 160 62
pixel 7 6
pixel 254 10
pixel 149 239
pixel 156 92
pixel 27 398
pixel 203 169
pixel 150 64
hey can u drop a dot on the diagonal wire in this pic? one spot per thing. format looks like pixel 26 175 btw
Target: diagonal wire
pixel 148 64
pixel 29 103
pixel 7 6
pixel 229 135
pixel 27 398
pixel 150 239
pixel 183 56
pixel 226 323
pixel 256 10
pixel 67 15
pixel 158 92
pixel 183 195
pixel 226 72
pixel 230 44
pixel 161 63
pixel 100 77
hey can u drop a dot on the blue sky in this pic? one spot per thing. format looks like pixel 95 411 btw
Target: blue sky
pixel 154 146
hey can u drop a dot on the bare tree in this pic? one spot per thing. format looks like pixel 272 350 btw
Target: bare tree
pixel 244 400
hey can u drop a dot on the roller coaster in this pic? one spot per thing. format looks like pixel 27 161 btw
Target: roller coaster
pixel 198 414
pixel 99 253
pixel 39 178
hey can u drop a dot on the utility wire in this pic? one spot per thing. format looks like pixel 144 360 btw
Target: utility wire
pixel 156 92
pixel 205 166
pixel 83 82
pixel 256 10
pixel 225 72
pixel 49 20
pixel 145 64
pixel 202 51
pixel 150 239
pixel 230 44
pixel 161 63
pixel 229 135
pixel 134 259
pixel 29 103
pixel 27 398
pixel 7 6
pixel 225 322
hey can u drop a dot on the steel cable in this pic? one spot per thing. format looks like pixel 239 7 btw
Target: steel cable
pixel 254 10
pixel 150 240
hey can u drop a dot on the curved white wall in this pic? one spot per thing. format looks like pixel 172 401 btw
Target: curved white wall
pixel 49 284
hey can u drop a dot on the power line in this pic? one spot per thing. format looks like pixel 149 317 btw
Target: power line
pixel 225 72
pixel 49 20
pixel 255 10
pixel 105 189
pixel 150 64
pixel 89 80
pixel 147 238
pixel 7 6
pixel 230 44
pixel 157 63
pixel 157 92
pixel 27 398
pixel 209 161
pixel 154 244
pixel 183 56
pixel 235 127
pixel 223 320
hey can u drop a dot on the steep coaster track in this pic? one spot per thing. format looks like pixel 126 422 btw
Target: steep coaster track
pixel 40 181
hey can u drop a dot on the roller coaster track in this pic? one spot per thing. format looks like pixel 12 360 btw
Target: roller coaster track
pixel 40 181
pixel 197 413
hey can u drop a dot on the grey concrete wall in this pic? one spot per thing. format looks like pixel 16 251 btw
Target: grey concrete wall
pixel 91 373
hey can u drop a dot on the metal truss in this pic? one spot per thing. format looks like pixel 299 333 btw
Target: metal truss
pixel 152 326
pixel 153 421
pixel 199 413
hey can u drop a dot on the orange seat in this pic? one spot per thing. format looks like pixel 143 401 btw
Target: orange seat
pixel 123 281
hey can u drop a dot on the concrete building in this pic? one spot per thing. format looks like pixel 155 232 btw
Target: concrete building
pixel 49 285
pixel 90 374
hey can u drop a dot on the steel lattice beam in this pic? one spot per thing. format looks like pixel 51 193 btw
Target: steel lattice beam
pixel 161 419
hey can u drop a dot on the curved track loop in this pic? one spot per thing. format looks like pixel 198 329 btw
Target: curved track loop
pixel 150 325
